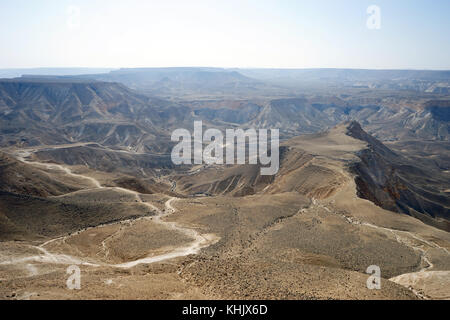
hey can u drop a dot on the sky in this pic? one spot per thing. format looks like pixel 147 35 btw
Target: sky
pixel 412 34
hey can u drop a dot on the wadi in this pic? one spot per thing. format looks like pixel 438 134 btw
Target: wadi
pixel 237 140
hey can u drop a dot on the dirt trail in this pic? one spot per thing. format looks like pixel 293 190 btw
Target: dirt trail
pixel 51 166
pixel 414 280
pixel 199 242
pixel 409 280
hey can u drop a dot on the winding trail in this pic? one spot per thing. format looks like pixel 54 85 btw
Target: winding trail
pixel 411 279
pixel 199 242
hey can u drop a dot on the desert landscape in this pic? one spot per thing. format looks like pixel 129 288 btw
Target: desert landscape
pixel 93 185
pixel 227 150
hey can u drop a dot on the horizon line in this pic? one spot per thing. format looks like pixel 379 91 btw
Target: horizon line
pixel 233 68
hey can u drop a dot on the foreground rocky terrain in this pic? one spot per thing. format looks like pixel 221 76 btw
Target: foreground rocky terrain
pixel 305 234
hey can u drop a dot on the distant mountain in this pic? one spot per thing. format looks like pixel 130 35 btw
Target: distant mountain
pixel 345 74
pixel 188 78
pixel 48 111
pixel 64 102
pixel 203 81
pixel 300 115
pixel 177 82
pixel 53 110
pixel 17 72
pixel 416 80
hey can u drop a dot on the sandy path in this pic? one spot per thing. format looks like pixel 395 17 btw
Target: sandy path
pixel 410 280
pixel 199 241
pixel 417 282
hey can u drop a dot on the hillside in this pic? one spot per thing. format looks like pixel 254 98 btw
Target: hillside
pixel 396 184
pixel 20 178
pixel 43 111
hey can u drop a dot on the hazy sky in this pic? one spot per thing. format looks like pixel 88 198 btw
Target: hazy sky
pixel 298 34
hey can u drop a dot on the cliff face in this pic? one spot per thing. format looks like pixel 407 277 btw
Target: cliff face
pixel 64 102
pixel 46 111
pixel 394 183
